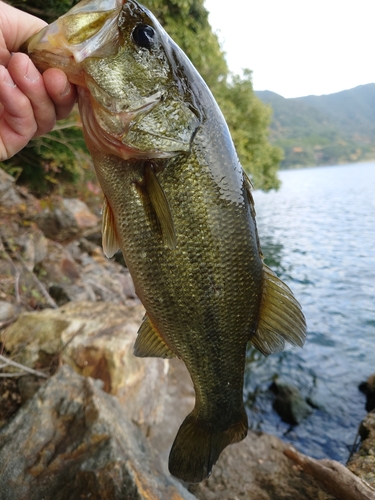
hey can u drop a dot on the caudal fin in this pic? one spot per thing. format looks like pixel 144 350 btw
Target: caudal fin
pixel 198 445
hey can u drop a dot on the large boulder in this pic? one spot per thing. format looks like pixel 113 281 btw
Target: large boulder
pixel 74 441
pixel 96 339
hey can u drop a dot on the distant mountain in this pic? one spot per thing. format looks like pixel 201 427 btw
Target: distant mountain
pixel 324 130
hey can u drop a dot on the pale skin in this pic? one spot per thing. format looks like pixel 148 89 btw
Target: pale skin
pixel 30 102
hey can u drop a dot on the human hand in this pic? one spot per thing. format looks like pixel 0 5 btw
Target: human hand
pixel 30 103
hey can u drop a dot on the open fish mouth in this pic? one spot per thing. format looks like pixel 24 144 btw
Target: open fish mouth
pixel 88 28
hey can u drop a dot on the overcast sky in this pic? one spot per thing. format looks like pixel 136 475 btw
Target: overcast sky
pixel 298 47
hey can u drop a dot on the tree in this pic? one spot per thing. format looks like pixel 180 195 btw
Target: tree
pixel 248 120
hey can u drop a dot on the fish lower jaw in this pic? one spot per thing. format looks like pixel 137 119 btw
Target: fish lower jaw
pixel 110 144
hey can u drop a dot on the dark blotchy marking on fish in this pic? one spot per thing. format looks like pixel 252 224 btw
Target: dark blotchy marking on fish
pixel 179 206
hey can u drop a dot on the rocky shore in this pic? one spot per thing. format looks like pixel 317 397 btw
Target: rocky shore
pixel 80 416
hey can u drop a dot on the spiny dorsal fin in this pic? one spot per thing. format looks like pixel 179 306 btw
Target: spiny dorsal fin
pixel 109 238
pixel 149 343
pixel 281 317
pixel 248 187
pixel 160 204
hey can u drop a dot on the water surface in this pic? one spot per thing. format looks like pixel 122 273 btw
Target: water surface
pixel 318 234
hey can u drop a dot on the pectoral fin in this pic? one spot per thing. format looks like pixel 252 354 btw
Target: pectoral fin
pixel 160 205
pixel 149 343
pixel 109 238
pixel 281 317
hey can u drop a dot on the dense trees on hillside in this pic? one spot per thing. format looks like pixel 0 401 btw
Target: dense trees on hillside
pixel 187 22
pixel 324 130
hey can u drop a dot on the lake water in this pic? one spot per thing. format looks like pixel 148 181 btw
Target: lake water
pixel 318 235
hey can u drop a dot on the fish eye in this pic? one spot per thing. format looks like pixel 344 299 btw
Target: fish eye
pixel 144 35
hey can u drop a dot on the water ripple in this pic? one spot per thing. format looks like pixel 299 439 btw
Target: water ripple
pixel 318 234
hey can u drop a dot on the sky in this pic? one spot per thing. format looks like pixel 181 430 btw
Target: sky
pixel 298 47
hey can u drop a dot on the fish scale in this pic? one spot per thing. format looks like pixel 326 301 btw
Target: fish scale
pixel 179 205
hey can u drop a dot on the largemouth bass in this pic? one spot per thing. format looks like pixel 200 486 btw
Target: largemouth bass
pixel 179 205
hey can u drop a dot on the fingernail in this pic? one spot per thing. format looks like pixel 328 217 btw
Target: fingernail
pixel 66 90
pixel 8 80
pixel 32 74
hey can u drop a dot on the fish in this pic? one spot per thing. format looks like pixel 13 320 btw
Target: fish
pixel 179 205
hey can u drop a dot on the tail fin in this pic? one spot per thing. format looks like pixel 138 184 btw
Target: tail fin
pixel 198 445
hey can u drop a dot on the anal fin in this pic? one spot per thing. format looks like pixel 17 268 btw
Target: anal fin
pixel 281 317
pixel 149 343
pixel 110 239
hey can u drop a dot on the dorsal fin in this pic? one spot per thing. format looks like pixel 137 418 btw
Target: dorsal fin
pixel 160 205
pixel 281 317
pixel 248 186
pixel 149 343
pixel 109 234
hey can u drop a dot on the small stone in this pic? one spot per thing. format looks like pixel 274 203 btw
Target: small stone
pixel 7 311
pixel 368 388
pixel 289 403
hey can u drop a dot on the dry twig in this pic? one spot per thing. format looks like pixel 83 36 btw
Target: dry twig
pixel 335 477
pixel 8 362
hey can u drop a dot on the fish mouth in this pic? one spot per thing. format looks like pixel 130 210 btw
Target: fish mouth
pixel 88 29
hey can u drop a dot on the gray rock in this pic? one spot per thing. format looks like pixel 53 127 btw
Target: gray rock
pixel 8 311
pixel 257 469
pixel 32 245
pixel 363 462
pixel 8 193
pixel 66 220
pixel 96 339
pixel 74 441
pixel 60 273
pixel 368 388
pixel 289 403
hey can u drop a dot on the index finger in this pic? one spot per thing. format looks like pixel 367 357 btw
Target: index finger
pixel 61 91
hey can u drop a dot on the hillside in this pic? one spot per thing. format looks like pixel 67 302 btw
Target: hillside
pixel 324 130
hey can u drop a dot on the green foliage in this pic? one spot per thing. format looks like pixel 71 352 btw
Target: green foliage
pixel 186 21
pixel 248 120
pixel 48 10
pixel 47 163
